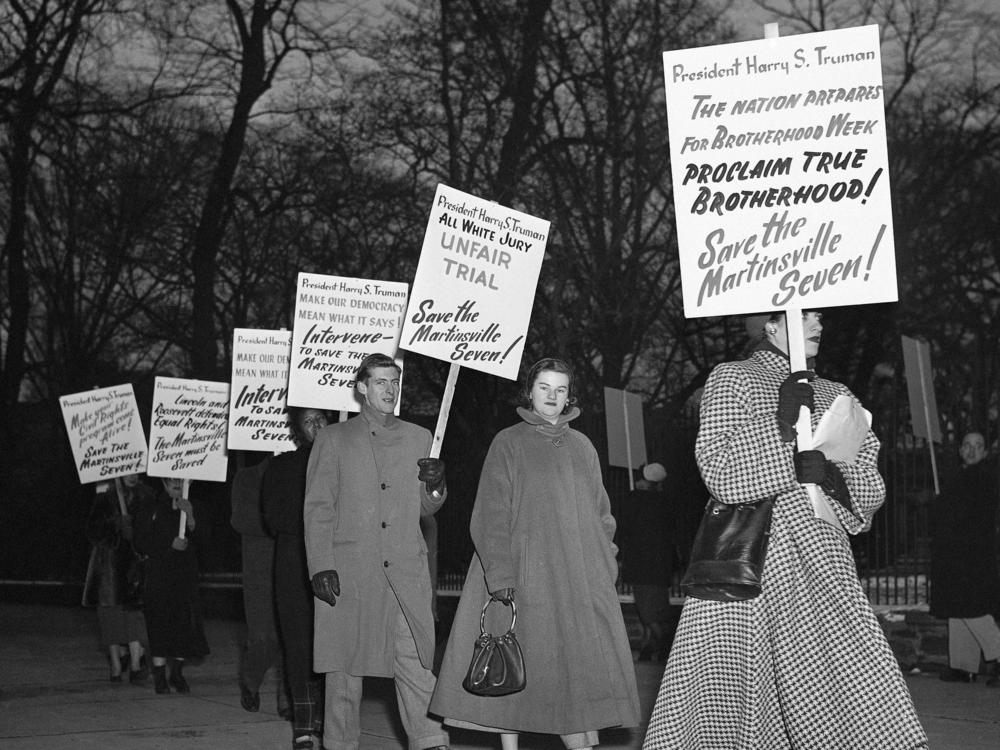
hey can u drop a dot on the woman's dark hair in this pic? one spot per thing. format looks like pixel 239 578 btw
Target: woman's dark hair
pixel 548 364
pixel 372 361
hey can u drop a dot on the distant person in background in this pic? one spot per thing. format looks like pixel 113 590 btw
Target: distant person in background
pixel 647 538
pixel 114 581
pixel 965 585
pixel 173 610
pixel 282 493
pixel 261 650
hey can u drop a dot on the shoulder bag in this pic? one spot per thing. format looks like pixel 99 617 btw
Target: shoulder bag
pixel 727 555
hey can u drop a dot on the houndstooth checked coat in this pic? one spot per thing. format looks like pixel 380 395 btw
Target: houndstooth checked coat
pixel 805 665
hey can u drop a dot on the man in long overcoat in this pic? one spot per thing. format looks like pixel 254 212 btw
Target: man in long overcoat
pixel 367 485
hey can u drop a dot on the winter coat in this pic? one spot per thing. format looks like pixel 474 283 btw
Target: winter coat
pixel 174 618
pixel 647 535
pixel 362 518
pixel 257 547
pixel 112 557
pixel 964 579
pixel 804 665
pixel 542 525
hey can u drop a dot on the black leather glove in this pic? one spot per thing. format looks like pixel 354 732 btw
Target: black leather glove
pixel 791 396
pixel 326 586
pixel 503 595
pixel 835 485
pixel 432 474
pixel 810 467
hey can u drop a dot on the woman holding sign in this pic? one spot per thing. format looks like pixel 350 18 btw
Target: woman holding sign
pixel 173 612
pixel 542 527
pixel 805 663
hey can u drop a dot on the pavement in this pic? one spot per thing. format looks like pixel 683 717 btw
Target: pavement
pixel 55 694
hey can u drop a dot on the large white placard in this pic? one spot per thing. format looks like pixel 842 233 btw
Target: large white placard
pixel 187 430
pixel 105 432
pixel 258 414
pixel 475 283
pixel 338 322
pixel 780 173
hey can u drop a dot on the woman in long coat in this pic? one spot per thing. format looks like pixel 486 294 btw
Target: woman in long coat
pixel 172 608
pixel 542 527
pixel 112 584
pixel 805 664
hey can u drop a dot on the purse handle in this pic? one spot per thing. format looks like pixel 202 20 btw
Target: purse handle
pixel 513 615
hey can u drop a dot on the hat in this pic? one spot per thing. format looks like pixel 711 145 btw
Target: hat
pixel 654 472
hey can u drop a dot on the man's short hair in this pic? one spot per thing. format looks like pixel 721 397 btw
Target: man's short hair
pixel 371 362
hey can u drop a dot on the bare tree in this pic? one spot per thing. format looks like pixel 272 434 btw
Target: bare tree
pixel 41 43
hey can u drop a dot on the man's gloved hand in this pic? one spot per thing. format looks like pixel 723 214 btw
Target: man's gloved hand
pixel 432 474
pixel 810 467
pixel 791 396
pixel 179 543
pixel 326 586
pixel 503 595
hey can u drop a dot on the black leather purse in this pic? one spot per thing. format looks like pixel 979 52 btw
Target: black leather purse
pixel 497 666
pixel 727 555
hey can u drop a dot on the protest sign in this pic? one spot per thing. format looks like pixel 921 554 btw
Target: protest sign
pixel 338 322
pixel 187 432
pixel 258 415
pixel 780 173
pixel 920 391
pixel 626 430
pixel 105 432
pixel 475 283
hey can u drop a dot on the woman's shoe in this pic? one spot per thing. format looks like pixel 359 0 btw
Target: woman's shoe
pixel 957 675
pixel 177 681
pixel 993 672
pixel 249 699
pixel 160 679
pixel 303 743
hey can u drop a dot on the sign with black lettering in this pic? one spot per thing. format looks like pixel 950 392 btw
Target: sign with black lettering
pixel 187 430
pixel 105 432
pixel 258 414
pixel 338 322
pixel 475 283
pixel 781 173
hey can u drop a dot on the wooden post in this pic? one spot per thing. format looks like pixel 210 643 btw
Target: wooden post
pixel 442 423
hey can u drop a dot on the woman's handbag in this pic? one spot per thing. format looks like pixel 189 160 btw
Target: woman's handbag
pixel 497 666
pixel 727 556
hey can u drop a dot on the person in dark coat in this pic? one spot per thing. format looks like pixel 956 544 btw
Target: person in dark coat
pixel 543 531
pixel 113 584
pixel 965 585
pixel 171 604
pixel 282 493
pixel 647 534
pixel 261 650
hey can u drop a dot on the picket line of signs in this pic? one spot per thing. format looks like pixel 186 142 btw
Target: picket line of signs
pixel 781 190
pixel 470 306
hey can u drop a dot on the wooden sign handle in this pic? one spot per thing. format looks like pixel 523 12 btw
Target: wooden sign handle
pixel 442 423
